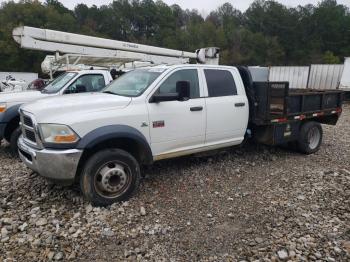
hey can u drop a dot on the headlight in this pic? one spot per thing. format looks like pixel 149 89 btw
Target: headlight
pixel 3 107
pixel 59 134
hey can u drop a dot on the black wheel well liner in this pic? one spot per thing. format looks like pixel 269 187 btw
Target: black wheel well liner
pixel 11 117
pixel 10 127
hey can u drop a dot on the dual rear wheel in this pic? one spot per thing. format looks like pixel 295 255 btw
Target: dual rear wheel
pixel 310 137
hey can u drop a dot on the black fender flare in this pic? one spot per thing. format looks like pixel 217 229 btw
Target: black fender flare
pixel 11 113
pixel 106 133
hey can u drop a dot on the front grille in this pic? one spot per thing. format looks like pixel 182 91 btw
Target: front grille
pixel 30 135
pixel 27 121
pixel 29 128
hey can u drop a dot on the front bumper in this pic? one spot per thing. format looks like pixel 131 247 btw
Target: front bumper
pixel 58 165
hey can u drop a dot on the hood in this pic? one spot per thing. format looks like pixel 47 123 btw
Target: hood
pixel 51 109
pixel 22 97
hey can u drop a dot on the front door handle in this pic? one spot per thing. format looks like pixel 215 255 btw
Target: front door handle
pixel 196 108
pixel 239 104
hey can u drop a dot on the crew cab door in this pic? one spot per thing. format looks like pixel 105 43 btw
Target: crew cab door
pixel 177 126
pixel 227 107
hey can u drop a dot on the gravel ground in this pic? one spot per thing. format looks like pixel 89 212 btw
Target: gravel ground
pixel 254 203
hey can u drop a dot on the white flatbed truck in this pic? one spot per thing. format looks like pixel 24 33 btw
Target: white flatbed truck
pixel 102 140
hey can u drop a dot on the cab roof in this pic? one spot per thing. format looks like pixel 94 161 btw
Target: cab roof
pixel 164 67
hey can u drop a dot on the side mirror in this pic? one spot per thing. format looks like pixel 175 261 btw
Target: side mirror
pixel 183 89
pixel 182 93
pixel 156 98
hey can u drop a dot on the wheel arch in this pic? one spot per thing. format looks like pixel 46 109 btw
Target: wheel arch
pixel 115 136
pixel 12 119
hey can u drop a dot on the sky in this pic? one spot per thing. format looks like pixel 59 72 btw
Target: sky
pixel 203 6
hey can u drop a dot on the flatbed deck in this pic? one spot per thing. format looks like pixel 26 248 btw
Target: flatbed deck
pixel 278 112
pixel 275 102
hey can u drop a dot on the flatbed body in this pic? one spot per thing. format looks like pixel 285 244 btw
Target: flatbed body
pixel 277 110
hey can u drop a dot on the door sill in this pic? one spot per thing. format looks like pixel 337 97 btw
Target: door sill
pixel 196 150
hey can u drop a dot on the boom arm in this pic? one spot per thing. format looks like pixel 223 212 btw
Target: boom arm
pixel 68 43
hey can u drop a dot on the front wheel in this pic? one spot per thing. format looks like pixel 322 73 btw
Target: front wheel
pixel 110 176
pixel 310 137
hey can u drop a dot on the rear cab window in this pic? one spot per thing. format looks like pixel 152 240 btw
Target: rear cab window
pixel 220 82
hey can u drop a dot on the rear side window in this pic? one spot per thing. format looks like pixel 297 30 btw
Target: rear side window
pixel 220 83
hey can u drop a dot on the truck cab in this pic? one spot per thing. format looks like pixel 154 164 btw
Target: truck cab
pixel 149 114
pixel 69 82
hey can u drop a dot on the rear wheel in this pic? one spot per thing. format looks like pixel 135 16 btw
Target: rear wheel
pixel 13 141
pixel 110 176
pixel 310 137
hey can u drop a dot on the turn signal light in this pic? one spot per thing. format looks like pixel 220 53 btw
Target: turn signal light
pixel 65 139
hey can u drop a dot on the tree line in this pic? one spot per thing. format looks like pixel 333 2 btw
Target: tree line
pixel 267 33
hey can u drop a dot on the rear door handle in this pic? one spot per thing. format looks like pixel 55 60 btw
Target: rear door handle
pixel 196 108
pixel 239 104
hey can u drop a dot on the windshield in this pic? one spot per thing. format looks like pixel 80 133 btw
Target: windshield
pixel 133 83
pixel 58 83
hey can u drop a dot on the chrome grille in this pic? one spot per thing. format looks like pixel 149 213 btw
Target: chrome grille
pixel 29 129
pixel 29 134
pixel 27 121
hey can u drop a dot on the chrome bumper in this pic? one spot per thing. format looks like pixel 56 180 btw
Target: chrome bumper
pixel 60 165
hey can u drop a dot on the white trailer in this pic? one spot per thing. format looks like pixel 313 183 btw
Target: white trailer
pixel 325 76
pixel 318 76
pixel 297 76
pixel 345 79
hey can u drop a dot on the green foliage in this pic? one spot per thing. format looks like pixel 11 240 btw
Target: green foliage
pixel 268 33
pixel 330 58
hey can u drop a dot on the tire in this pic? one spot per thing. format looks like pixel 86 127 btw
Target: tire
pixel 110 176
pixel 13 141
pixel 310 137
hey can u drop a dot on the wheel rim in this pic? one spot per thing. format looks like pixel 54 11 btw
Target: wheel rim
pixel 314 137
pixel 112 179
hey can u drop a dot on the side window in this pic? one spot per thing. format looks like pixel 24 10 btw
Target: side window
pixel 220 83
pixel 87 83
pixel 191 75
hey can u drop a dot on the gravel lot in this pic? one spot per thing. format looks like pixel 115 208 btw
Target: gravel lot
pixel 253 203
